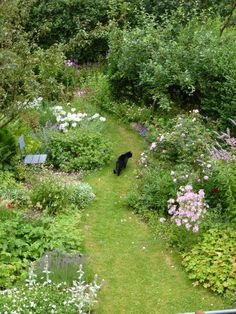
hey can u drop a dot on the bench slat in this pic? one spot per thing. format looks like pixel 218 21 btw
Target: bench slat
pixel 35 159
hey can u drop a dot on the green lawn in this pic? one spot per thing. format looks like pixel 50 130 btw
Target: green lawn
pixel 141 274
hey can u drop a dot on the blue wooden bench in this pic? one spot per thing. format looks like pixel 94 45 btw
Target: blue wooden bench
pixel 30 159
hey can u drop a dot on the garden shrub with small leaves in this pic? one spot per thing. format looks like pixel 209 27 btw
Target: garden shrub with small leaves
pixel 185 141
pixel 221 189
pixel 186 65
pixel 155 189
pixel 82 194
pixel 212 262
pixel 50 195
pixel 8 148
pixel 79 150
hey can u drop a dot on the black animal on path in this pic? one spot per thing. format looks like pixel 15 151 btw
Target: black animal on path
pixel 122 162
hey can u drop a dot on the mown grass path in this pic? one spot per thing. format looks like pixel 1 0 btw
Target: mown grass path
pixel 141 275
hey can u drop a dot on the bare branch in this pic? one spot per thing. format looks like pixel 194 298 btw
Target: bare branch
pixel 228 18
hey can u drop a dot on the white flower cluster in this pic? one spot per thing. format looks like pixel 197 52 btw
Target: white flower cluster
pixel 144 159
pixel 71 119
pixel 35 103
pixel 79 298
pixel 153 145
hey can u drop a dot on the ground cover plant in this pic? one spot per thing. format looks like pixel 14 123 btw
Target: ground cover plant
pixel 216 253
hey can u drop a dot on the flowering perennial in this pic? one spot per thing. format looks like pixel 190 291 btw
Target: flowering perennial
pixel 143 159
pixel 188 208
pixel 71 119
pixel 49 297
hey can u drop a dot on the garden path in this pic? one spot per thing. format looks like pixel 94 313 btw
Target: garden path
pixel 141 275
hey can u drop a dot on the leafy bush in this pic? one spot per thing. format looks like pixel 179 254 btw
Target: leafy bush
pixel 185 141
pixel 79 150
pixel 212 262
pixel 24 239
pixel 78 25
pixel 192 67
pixel 82 195
pixel 50 195
pixel 65 234
pixel 7 179
pixel 21 241
pixel 55 78
pixel 7 147
pixel 156 188
pixel 27 71
pixel 177 237
pixel 221 189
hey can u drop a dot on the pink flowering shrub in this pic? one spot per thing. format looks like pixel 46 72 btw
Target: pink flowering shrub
pixel 188 208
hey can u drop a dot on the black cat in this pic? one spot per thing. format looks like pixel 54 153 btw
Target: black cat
pixel 122 162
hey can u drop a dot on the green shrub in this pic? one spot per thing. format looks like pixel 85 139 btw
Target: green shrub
pixel 98 89
pixel 50 195
pixel 78 25
pixel 7 179
pixel 185 141
pixel 21 241
pixel 82 194
pixel 192 67
pixel 8 149
pixel 56 80
pixel 79 150
pixel 221 189
pixel 24 239
pixel 27 71
pixel 155 189
pixel 212 262
pixel 177 237
pixel 65 234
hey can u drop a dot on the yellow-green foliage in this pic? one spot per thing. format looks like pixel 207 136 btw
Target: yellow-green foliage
pixel 213 261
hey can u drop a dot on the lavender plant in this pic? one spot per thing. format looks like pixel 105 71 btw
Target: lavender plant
pixel 219 153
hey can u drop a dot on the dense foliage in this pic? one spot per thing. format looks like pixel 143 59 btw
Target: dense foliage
pixel 171 72
pixel 212 262
pixel 79 25
pixel 186 190
pixel 79 150
pixel 7 147
pixel 191 67
pixel 24 240
pixel 28 228
pixel 28 71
